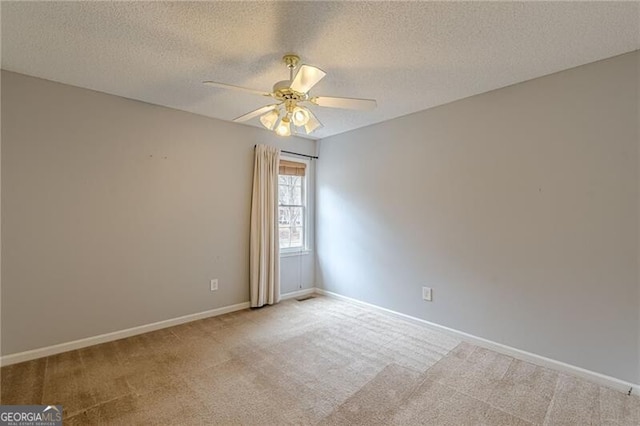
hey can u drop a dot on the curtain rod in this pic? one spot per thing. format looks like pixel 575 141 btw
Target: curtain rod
pixel 295 153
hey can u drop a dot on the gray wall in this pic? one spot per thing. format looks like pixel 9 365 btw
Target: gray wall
pixel 117 213
pixel 638 179
pixel 519 207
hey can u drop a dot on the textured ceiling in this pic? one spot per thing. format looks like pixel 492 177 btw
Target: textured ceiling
pixel 409 56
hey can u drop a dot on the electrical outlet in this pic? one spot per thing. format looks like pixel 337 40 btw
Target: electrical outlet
pixel 214 284
pixel 426 294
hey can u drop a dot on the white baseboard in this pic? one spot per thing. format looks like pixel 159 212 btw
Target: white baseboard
pixel 121 334
pixel 298 293
pixel 598 378
pixel 116 335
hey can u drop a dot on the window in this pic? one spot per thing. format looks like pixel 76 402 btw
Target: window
pixel 292 206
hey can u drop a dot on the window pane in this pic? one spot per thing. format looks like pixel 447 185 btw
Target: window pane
pixel 296 236
pixel 291 218
pixel 295 216
pixel 290 190
pixel 296 195
pixel 284 216
pixel 285 237
pixel 282 195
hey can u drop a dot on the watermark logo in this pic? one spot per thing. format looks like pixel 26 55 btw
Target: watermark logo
pixel 30 415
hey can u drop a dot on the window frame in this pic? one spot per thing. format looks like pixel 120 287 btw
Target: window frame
pixel 293 251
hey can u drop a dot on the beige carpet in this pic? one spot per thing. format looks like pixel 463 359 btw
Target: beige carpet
pixel 320 361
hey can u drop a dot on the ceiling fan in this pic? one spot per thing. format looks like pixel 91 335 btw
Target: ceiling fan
pixel 294 100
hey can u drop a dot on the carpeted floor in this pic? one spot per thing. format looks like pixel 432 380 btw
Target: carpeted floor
pixel 319 361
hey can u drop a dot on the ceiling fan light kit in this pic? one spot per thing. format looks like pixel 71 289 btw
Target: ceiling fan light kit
pixel 284 128
pixel 300 116
pixel 270 119
pixel 292 113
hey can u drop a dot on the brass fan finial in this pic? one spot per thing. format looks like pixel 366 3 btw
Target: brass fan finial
pixel 291 60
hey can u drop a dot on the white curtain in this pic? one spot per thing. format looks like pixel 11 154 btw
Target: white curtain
pixel 264 257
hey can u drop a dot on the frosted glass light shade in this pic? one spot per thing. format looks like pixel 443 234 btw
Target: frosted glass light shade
pixel 300 116
pixel 312 124
pixel 284 128
pixel 270 119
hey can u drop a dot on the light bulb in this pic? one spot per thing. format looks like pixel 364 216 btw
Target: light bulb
pixel 284 128
pixel 300 116
pixel 270 119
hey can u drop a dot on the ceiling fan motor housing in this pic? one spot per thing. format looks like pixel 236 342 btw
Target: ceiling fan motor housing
pixel 283 92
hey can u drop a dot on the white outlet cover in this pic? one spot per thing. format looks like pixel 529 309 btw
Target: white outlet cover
pixel 426 293
pixel 214 285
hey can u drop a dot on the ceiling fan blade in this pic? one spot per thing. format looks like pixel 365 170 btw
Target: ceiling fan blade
pixel 306 77
pixel 259 111
pixel 312 124
pixel 232 87
pixel 344 103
